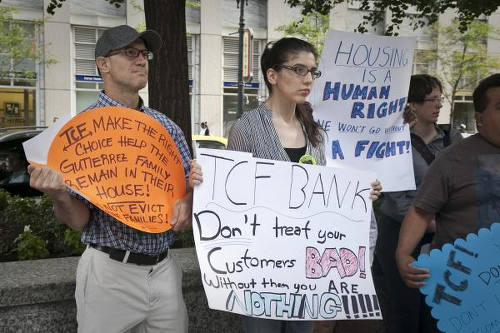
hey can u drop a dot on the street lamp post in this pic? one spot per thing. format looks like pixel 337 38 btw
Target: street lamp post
pixel 241 85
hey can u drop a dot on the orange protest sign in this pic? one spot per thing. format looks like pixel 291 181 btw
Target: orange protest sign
pixel 124 162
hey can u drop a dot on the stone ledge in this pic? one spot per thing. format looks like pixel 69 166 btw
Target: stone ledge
pixel 37 281
pixel 35 293
pixel 47 280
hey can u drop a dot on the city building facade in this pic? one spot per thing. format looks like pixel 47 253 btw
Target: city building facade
pixel 66 81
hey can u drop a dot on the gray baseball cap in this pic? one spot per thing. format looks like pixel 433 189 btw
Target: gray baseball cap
pixel 123 35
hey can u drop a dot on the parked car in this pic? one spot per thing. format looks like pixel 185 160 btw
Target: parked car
pixel 207 141
pixel 13 176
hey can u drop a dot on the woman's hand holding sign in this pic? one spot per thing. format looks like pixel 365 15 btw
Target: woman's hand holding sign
pixel 409 116
pixel 376 190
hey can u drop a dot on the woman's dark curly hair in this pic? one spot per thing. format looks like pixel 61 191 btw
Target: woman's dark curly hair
pixel 422 85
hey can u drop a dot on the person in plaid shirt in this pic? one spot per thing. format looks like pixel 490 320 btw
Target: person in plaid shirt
pixel 126 281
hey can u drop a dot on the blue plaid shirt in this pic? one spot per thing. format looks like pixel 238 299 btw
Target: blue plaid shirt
pixel 104 229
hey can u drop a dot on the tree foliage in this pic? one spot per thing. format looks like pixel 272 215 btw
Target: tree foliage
pixel 312 28
pixel 428 11
pixel 54 4
pixel 462 56
pixel 18 44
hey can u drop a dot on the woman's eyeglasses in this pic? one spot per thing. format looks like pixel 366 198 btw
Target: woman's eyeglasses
pixel 301 70
pixel 435 99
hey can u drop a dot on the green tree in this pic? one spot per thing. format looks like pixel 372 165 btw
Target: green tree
pixel 462 57
pixel 428 11
pixel 312 27
pixel 18 45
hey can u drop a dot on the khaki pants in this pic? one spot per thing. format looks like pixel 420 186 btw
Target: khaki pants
pixel 115 297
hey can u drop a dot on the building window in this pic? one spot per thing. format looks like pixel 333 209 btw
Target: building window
pixel 463 113
pixel 193 54
pixel 252 97
pixel 18 79
pixel 88 83
pixel 17 107
pixel 192 41
pixel 424 62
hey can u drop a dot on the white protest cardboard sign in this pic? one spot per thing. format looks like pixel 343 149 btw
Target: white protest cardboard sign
pixel 359 100
pixel 281 240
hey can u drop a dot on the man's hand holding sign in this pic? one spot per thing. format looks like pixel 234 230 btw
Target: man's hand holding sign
pixel 464 285
pixel 66 208
pixel 123 162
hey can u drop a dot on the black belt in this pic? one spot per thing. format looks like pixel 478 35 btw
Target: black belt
pixel 141 259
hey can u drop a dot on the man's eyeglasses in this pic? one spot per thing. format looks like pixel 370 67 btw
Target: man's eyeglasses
pixel 435 99
pixel 133 53
pixel 301 70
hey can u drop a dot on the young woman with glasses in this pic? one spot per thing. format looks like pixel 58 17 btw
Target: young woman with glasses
pixel 282 128
pixel 407 311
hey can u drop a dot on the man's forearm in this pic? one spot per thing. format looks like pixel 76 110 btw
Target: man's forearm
pixel 71 211
pixel 412 230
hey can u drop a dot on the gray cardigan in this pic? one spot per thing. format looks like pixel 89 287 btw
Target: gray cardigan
pixel 254 133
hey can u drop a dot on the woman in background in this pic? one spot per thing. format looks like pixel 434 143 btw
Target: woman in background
pixel 406 310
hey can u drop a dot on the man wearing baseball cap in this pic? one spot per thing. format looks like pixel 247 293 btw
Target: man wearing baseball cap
pixel 126 279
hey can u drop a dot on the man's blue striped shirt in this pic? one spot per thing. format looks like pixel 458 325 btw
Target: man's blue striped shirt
pixel 104 229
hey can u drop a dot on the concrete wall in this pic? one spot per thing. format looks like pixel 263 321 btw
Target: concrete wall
pixel 38 296
pixel 211 65
pixel 58 79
